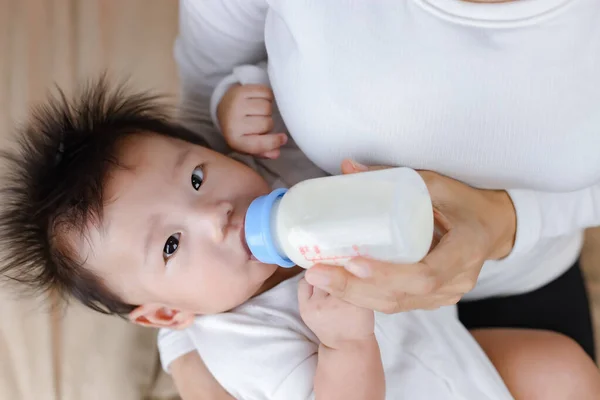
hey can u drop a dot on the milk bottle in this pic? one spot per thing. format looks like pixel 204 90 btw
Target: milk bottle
pixel 385 215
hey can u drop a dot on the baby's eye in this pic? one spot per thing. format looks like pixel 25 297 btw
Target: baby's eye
pixel 171 245
pixel 197 177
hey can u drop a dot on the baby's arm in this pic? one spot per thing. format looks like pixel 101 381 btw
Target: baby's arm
pixel 180 358
pixel 351 371
pixel 349 364
pixel 194 381
pixel 242 107
pixel 214 37
pixel 245 117
pixel 239 356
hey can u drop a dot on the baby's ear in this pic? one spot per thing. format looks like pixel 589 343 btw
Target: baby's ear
pixel 158 316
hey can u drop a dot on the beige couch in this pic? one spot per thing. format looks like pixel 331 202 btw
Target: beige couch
pixel 78 355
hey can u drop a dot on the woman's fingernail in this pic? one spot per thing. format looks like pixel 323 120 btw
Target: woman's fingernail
pixel 318 278
pixel 358 166
pixel 358 268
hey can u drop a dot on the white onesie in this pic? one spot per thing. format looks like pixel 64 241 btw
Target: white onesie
pixel 263 351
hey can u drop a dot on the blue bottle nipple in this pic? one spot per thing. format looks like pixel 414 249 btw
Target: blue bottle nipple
pixel 258 230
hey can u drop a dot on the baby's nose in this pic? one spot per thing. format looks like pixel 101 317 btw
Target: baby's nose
pixel 220 217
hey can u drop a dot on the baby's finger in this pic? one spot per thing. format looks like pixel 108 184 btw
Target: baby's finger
pixel 259 107
pixel 258 92
pixel 305 291
pixel 271 154
pixel 257 124
pixel 318 294
pixel 259 144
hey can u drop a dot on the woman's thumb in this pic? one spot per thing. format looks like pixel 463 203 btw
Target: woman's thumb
pixel 350 166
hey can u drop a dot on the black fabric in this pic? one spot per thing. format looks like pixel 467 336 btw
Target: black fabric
pixel 561 306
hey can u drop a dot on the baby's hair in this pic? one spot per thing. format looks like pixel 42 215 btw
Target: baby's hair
pixel 54 186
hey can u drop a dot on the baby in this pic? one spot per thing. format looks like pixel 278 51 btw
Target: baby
pixel 112 202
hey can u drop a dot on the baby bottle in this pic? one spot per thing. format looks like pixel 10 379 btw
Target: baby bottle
pixel 385 215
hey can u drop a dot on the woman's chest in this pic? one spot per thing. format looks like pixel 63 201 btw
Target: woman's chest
pixel 512 108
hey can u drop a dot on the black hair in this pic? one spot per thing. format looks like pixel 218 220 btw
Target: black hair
pixel 54 185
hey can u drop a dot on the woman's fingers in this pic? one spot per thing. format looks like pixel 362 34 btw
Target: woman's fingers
pixel 383 276
pixel 388 286
pixel 441 279
pixel 343 285
pixel 371 294
pixel 456 261
pixel 413 279
pixel 352 167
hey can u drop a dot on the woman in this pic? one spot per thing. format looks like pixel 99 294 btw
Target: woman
pixel 499 102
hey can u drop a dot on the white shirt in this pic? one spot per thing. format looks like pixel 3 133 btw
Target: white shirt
pixel 262 350
pixel 499 96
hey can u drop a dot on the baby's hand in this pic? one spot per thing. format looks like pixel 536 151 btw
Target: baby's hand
pixel 335 322
pixel 245 116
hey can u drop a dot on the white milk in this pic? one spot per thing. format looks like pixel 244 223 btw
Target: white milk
pixel 385 215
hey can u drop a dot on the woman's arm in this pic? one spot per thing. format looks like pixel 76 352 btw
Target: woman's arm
pixel 544 215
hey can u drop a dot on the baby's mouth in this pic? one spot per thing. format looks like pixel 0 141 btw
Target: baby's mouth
pixel 244 243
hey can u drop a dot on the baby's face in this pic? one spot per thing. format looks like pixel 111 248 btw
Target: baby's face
pixel 172 229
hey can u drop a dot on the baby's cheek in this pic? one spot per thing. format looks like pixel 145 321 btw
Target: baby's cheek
pixel 220 292
pixel 254 183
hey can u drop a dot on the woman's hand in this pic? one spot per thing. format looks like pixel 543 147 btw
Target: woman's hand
pixel 477 225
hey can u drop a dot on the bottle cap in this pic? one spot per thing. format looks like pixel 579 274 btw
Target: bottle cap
pixel 258 230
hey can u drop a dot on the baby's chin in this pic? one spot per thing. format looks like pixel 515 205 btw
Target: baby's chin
pixel 261 275
pixel 259 272
pixel 221 306
pixel 258 276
